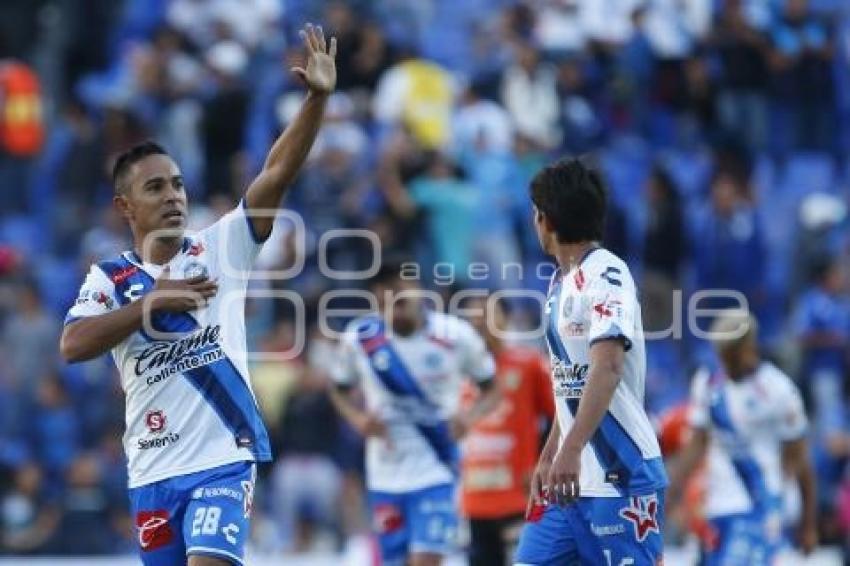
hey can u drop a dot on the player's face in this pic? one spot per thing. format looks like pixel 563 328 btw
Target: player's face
pixel 484 319
pixel 400 300
pixel 155 200
pixel 542 229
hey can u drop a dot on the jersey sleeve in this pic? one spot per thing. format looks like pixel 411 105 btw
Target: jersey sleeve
pixel 476 360
pixel 613 306
pixel 233 237
pixel 344 370
pixel 698 415
pixel 792 418
pixel 96 297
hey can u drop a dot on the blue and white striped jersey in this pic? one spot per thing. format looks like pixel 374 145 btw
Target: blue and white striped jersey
pixel 748 421
pixel 189 403
pixel 413 383
pixel 597 300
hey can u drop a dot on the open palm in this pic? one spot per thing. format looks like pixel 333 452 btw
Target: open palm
pixel 320 71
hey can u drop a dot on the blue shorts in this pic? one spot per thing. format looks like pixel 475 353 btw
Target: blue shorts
pixel 604 531
pixel 204 513
pixel 744 540
pixel 418 521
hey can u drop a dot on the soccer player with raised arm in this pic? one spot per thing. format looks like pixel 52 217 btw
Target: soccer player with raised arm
pixel 171 311
pixel 748 422
pixel 597 494
pixel 410 363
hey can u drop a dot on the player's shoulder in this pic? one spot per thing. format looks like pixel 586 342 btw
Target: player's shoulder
pixel 604 267
pixel 362 325
pixel 449 327
pixel 774 379
pixel 114 269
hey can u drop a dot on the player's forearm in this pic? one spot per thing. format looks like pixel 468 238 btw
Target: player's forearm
pixel 687 463
pixel 344 406
pixel 289 151
pixel 808 492
pixel 550 448
pixel 93 336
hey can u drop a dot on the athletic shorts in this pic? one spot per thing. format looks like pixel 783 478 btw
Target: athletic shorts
pixel 204 513
pixel 421 521
pixel 604 531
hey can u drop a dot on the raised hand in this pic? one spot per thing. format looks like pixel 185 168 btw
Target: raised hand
pixel 181 295
pixel 320 71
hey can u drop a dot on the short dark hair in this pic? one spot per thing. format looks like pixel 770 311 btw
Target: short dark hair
pixel 390 271
pixel 128 158
pixel 572 195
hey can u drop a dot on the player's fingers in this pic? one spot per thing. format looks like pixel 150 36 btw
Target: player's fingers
pixel 332 49
pixel 305 37
pixel 197 279
pixel 320 38
pixel 311 37
pixel 302 74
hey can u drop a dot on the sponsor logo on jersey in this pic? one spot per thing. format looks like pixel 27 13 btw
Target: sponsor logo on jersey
pixel 387 518
pixel 167 358
pixel 123 274
pixel 248 499
pixel 607 530
pixel 642 514
pixel 195 269
pixel 196 249
pixel 154 529
pixel 574 329
pixel 569 379
pixel 159 441
pixel 155 421
pixel 223 491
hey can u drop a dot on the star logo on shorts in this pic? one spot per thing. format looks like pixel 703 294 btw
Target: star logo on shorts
pixel 641 514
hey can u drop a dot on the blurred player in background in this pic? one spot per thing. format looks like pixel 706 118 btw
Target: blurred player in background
pixel 597 492
pixel 410 363
pixel 748 420
pixel 171 311
pixel 500 451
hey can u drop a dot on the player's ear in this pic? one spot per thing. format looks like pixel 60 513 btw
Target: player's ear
pixel 122 204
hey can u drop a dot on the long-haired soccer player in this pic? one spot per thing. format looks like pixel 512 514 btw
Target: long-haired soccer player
pixel 171 311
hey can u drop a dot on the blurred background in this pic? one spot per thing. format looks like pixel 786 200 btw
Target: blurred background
pixel 723 127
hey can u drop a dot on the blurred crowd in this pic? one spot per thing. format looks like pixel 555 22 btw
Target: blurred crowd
pixel 722 126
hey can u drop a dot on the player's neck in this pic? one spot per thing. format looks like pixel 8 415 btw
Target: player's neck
pixel 493 344
pixel 570 255
pixel 160 251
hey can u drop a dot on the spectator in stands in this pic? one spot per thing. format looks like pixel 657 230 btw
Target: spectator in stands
pixel 54 434
pixel 30 335
pixel 529 92
pixel 742 51
pixel 28 518
pixel 306 479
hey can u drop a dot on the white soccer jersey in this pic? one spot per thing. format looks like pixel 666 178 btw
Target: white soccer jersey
pixel 189 402
pixel 597 300
pixel 413 384
pixel 747 420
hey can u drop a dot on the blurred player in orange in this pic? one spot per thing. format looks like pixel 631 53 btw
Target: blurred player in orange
pixel 500 451
pixel 674 434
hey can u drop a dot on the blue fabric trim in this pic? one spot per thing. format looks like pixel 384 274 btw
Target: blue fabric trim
pixel 613 333
pixel 745 465
pixel 219 382
pixel 70 319
pixel 251 228
pixel 396 377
